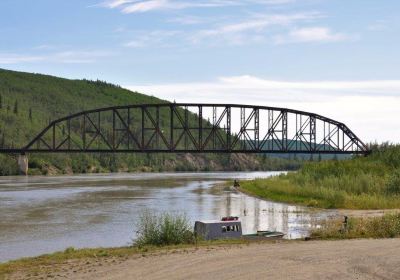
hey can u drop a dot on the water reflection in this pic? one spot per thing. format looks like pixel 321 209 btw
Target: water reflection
pixel 44 214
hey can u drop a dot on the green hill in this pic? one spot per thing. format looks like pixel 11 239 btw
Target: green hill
pixel 28 102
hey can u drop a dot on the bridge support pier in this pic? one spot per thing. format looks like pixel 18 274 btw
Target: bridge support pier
pixel 23 164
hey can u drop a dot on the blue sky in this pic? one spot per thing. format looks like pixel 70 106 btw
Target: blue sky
pixel 334 57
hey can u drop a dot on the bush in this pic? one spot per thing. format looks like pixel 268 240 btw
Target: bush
pixel 393 184
pixel 387 226
pixel 163 229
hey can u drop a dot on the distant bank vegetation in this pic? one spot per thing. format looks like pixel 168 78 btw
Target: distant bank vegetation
pixel 371 182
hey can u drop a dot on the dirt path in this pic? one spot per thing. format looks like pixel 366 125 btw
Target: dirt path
pixel 349 259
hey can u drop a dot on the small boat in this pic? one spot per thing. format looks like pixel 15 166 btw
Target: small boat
pixel 230 227
pixel 266 233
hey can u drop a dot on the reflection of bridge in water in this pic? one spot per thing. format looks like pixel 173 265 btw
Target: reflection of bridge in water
pixel 194 128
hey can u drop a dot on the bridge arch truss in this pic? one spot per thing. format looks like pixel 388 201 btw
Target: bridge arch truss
pixel 196 128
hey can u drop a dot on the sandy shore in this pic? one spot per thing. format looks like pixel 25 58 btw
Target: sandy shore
pixel 347 259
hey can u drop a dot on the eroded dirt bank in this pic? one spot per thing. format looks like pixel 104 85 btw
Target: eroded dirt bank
pixel 346 259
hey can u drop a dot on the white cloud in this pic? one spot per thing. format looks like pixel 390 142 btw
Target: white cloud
pixel 73 57
pixel 378 25
pixel 146 6
pixel 157 38
pixel 368 107
pixel 252 29
pixel 116 3
pixel 311 34
pixel 12 58
pixel 141 6
pixel 189 20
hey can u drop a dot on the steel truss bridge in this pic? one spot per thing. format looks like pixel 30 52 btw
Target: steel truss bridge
pixel 194 128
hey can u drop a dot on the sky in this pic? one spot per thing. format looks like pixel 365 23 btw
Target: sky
pixel 336 58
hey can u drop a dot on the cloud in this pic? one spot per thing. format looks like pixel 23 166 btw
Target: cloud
pixel 189 20
pixel 369 107
pixel 311 34
pixel 67 57
pixel 378 25
pixel 157 38
pixel 242 87
pixel 253 28
pixel 12 58
pixel 116 3
pixel 142 6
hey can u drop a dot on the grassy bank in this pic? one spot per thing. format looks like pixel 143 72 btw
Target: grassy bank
pixel 387 226
pixel 371 182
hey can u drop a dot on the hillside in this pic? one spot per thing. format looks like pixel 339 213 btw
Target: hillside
pixel 30 101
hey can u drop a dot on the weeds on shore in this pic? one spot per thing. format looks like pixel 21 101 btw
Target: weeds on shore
pixel 163 229
pixel 371 182
pixel 387 226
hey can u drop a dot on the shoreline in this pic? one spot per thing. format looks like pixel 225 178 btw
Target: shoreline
pixel 134 173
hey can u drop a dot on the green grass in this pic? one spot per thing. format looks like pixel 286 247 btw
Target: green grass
pixel 387 226
pixel 371 182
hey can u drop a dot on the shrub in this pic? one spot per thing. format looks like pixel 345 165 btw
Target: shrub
pixel 387 226
pixel 163 229
pixel 393 183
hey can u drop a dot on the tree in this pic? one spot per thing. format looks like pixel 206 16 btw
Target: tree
pixel 1 101
pixel 16 107
pixel 30 114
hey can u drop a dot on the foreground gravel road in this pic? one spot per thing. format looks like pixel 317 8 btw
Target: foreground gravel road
pixel 350 259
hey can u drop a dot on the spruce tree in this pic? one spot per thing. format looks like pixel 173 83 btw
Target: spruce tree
pixel 16 107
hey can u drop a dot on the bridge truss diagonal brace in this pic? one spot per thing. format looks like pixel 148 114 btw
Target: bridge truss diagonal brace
pixel 184 122
pixel 262 130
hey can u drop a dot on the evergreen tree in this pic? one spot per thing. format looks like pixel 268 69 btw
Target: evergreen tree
pixel 30 114
pixel 16 107
pixel 1 101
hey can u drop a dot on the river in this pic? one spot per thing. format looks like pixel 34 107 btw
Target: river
pixel 45 214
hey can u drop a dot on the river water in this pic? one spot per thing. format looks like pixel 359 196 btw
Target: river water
pixel 45 214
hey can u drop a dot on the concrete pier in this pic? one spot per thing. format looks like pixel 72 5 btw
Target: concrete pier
pixel 23 164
